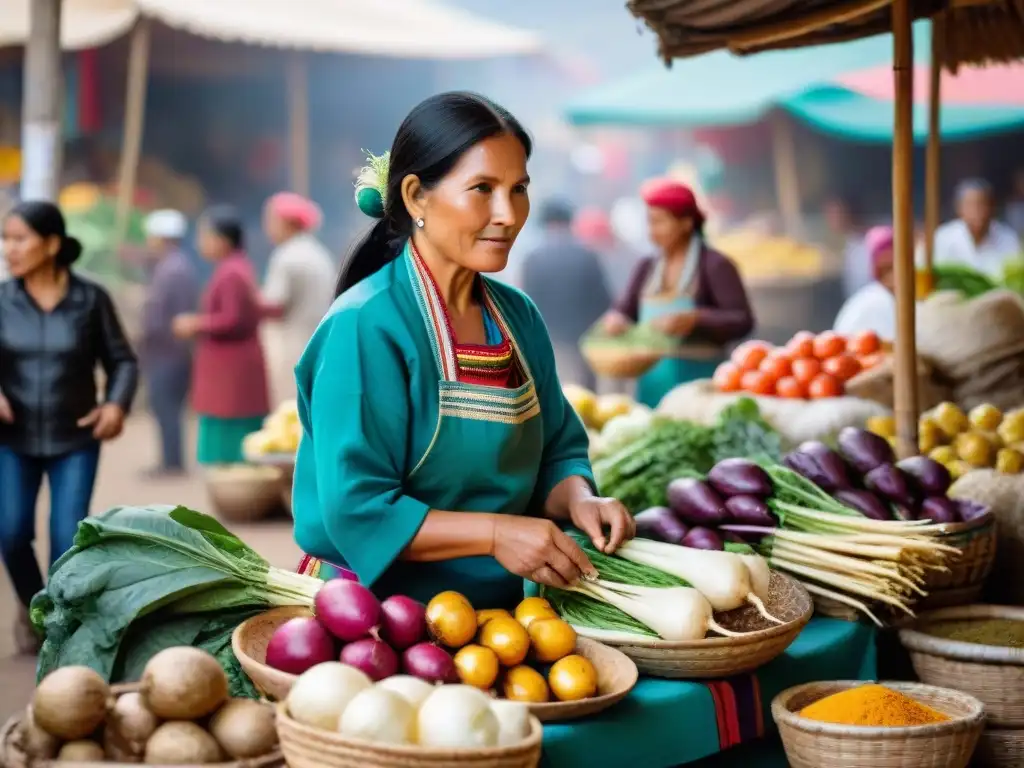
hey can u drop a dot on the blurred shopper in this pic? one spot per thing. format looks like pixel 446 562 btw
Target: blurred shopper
pixel 166 360
pixel 688 290
pixel 975 238
pixel 56 328
pixel 1015 205
pixel 229 375
pixel 873 307
pixel 566 282
pixel 299 286
pixel 843 222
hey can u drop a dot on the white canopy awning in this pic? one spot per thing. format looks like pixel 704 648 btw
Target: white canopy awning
pixel 396 28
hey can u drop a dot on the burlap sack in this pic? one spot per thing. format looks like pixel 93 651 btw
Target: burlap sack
pixel 1005 495
pixel 877 385
pixel 1001 384
pixel 796 420
pixel 961 337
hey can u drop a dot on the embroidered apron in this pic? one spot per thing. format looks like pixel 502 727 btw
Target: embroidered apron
pixel 686 364
pixel 484 457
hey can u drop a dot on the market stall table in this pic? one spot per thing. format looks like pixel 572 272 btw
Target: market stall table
pixel 665 723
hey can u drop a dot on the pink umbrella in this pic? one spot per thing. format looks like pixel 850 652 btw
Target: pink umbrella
pixel 987 86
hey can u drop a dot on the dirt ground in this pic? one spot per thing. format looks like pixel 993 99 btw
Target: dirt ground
pixel 120 481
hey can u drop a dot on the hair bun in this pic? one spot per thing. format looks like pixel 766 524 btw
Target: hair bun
pixel 70 250
pixel 370 201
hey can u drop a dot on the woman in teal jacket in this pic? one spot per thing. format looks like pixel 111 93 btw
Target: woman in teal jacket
pixel 438 450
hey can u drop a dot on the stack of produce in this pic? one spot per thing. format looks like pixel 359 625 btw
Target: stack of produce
pixel 280 434
pixel 762 257
pixel 852 547
pixel 984 438
pixel 654 589
pixel 180 715
pixel 808 367
pixel 401 710
pixel 637 473
pixel 611 420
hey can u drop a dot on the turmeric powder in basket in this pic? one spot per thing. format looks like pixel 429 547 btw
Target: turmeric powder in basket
pixel 871 705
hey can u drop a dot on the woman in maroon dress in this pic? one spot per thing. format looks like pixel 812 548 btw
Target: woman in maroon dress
pixel 229 381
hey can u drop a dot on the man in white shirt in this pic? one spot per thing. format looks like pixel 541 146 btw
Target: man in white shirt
pixel 976 239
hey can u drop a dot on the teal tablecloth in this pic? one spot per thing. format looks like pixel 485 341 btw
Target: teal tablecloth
pixel 666 723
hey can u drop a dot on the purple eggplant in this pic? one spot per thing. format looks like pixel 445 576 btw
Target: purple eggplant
pixel 749 510
pixel 806 466
pixel 968 510
pixel 660 524
pixel 864 502
pixel 703 538
pixel 931 477
pixel 890 483
pixel 831 464
pixel 734 477
pixel 864 450
pixel 939 509
pixel 696 502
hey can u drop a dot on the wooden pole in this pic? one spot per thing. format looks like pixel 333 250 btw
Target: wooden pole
pixel 42 108
pixel 134 126
pixel 933 153
pixel 787 179
pixel 905 352
pixel 298 122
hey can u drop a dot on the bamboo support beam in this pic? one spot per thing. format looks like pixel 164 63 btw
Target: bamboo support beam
pixel 905 386
pixel 933 152
pixel 298 123
pixel 134 127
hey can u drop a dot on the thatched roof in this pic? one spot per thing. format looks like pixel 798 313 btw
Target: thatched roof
pixel 976 32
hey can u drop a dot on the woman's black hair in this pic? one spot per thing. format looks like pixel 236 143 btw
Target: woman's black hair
pixel 429 142
pixel 226 221
pixel 45 219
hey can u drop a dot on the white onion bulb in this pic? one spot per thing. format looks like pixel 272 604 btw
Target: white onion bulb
pixel 457 716
pixel 320 695
pixel 380 716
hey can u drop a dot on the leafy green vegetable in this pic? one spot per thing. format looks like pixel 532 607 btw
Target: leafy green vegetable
pixel 1013 275
pixel 742 432
pixel 641 336
pixel 138 567
pixel 959 277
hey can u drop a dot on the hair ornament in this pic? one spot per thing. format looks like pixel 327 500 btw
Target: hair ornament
pixel 372 185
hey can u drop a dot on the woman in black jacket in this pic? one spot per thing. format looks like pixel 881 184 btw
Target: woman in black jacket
pixel 55 329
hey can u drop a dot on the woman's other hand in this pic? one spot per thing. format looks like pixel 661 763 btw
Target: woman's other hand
pixel 679 324
pixel 106 420
pixel 185 326
pixel 6 412
pixel 615 323
pixel 594 514
pixel 539 550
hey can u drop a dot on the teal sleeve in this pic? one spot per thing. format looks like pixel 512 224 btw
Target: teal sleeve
pixel 358 419
pixel 566 443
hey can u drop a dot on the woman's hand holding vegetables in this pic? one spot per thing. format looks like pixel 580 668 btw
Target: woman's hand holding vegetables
pixel 538 550
pixel 678 324
pixel 615 323
pixel 185 326
pixel 591 515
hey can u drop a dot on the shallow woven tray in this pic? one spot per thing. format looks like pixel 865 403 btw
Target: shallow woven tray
pixel 993 674
pixel 619 362
pixel 812 744
pixel 616 672
pixel 999 748
pixel 306 747
pixel 964 581
pixel 244 499
pixel 724 656
pixel 11 755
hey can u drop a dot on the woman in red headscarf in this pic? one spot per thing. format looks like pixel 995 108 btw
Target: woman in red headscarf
pixel 688 290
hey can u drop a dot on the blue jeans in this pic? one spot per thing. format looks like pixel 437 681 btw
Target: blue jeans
pixel 70 478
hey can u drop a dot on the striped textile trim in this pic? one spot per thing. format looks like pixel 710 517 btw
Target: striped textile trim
pixel 738 709
pixel 321 569
pixel 507 406
pixel 434 315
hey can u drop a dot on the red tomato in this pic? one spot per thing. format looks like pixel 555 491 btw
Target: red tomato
pixel 867 362
pixel 844 367
pixel 801 345
pixel 791 387
pixel 750 354
pixel 805 369
pixel 824 386
pixel 864 343
pixel 777 365
pixel 727 377
pixel 828 344
pixel 758 383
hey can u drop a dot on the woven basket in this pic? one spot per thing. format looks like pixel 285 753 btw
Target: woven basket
pixel 11 755
pixel 833 609
pixel 619 362
pixel 963 582
pixel 616 673
pixel 306 747
pixel 244 498
pixel 993 674
pixel 999 749
pixel 812 744
pixel 725 656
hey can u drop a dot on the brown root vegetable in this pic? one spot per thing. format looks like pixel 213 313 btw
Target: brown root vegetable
pixel 183 683
pixel 71 702
pixel 182 743
pixel 132 719
pixel 118 750
pixel 34 741
pixel 81 751
pixel 244 728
